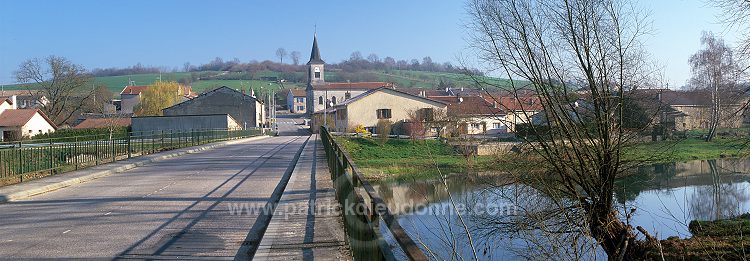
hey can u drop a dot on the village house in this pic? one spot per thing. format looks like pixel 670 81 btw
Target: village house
pixel 25 98
pixel 130 96
pixel 474 115
pixel 295 101
pixel 373 106
pixel 17 123
pixel 247 110
pixel 690 110
pixel 519 110
pixel 321 94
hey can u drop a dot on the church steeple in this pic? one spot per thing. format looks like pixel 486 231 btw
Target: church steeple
pixel 315 53
pixel 316 65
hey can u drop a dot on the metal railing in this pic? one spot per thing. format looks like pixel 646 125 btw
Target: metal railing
pixel 362 224
pixel 22 160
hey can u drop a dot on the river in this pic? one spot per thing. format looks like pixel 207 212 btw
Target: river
pixel 476 208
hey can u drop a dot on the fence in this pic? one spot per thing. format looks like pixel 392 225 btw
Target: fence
pixel 362 223
pixel 26 159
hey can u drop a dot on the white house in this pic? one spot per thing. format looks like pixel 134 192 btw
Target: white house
pixel 22 123
pixel 475 115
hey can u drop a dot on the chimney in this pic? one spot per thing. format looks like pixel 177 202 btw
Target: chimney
pixel 14 100
pixel 462 88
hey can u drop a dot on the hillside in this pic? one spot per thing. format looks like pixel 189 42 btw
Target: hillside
pixel 207 80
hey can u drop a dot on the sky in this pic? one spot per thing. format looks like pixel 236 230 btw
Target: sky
pixel 102 34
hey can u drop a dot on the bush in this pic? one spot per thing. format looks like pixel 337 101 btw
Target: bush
pixel 384 129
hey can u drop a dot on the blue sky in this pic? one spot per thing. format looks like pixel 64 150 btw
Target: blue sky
pixel 172 32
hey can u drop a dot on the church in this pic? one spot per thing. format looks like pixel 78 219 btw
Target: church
pixel 322 94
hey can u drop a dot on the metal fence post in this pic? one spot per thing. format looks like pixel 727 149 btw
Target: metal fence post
pixel 51 162
pixel 127 135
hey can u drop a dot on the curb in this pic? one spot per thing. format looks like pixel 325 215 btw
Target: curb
pixel 69 182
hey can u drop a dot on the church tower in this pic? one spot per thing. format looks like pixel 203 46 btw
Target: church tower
pixel 315 75
pixel 315 67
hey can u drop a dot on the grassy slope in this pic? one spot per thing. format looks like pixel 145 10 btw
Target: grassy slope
pixel 402 78
pixel 688 149
pixel 404 159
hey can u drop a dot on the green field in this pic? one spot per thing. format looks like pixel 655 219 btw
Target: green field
pixel 402 78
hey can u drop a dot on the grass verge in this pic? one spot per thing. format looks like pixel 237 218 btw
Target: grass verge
pixel 406 159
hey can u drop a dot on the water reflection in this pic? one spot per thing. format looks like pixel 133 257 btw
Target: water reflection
pixel 666 198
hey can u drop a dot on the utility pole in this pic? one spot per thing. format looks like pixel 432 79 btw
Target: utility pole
pixel 325 111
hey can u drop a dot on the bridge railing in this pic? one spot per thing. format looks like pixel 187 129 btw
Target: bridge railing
pixel 363 209
pixel 29 159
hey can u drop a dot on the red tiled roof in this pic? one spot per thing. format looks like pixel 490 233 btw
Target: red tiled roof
pixel 426 92
pixel 469 106
pixel 19 117
pixel 133 89
pixel 521 103
pixel 91 123
pixel 354 85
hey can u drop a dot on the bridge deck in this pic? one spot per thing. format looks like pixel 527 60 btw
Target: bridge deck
pixel 306 224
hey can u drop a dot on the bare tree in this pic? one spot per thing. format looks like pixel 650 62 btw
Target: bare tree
pixel 64 85
pixel 355 56
pixel 295 57
pixel 556 47
pixel 373 58
pixel 736 13
pixel 715 70
pixel 281 53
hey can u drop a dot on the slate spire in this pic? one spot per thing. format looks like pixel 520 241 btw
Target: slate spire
pixel 315 53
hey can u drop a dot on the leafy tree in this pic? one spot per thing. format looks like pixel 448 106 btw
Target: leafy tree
pixel 158 96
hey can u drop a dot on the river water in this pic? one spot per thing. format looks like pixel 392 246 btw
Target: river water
pixel 474 208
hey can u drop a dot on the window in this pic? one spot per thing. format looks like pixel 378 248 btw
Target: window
pixel 300 99
pixel 30 132
pixel 475 125
pixel 333 100
pixel 426 114
pixel 384 113
pixel 497 125
pixel 347 95
pixel 300 108
pixel 435 129
pixel 320 100
pixel 317 73
pixel 40 131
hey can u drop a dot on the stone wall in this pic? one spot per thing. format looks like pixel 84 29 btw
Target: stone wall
pixel 183 123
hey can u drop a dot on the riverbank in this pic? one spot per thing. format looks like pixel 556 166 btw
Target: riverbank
pixel 688 149
pixel 425 159
pixel 712 240
pixel 406 159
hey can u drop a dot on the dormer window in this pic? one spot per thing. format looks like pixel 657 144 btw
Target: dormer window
pixel 317 72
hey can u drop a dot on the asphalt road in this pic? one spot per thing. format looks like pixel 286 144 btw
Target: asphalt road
pixel 198 206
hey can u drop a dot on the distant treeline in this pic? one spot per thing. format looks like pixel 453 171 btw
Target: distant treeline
pixel 135 69
pixel 355 64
